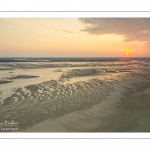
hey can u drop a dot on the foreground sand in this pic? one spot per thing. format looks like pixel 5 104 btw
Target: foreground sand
pixel 125 110
pixel 78 97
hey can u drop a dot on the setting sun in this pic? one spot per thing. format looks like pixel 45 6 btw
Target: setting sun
pixel 127 51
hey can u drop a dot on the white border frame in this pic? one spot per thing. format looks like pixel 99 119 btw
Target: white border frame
pixel 66 135
pixel 74 14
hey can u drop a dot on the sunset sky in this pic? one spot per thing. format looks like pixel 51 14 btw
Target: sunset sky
pixel 74 37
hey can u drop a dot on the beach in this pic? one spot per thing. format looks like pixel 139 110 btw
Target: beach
pixel 76 96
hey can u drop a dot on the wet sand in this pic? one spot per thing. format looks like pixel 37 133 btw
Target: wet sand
pixel 122 111
pixel 77 97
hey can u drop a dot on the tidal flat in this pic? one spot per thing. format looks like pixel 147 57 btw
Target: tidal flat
pixel 76 96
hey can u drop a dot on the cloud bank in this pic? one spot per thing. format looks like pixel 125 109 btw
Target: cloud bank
pixel 133 29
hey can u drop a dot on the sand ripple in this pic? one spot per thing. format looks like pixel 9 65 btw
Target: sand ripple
pixel 35 103
pixel 93 104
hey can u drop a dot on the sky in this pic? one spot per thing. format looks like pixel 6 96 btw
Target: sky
pixel 74 37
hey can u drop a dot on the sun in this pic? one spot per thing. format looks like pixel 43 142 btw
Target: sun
pixel 127 51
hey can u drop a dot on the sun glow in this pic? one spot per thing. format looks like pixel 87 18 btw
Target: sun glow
pixel 127 51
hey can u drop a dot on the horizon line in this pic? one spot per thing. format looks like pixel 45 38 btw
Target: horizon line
pixel 75 57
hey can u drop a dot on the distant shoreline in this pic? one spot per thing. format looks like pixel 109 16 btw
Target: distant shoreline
pixel 68 59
